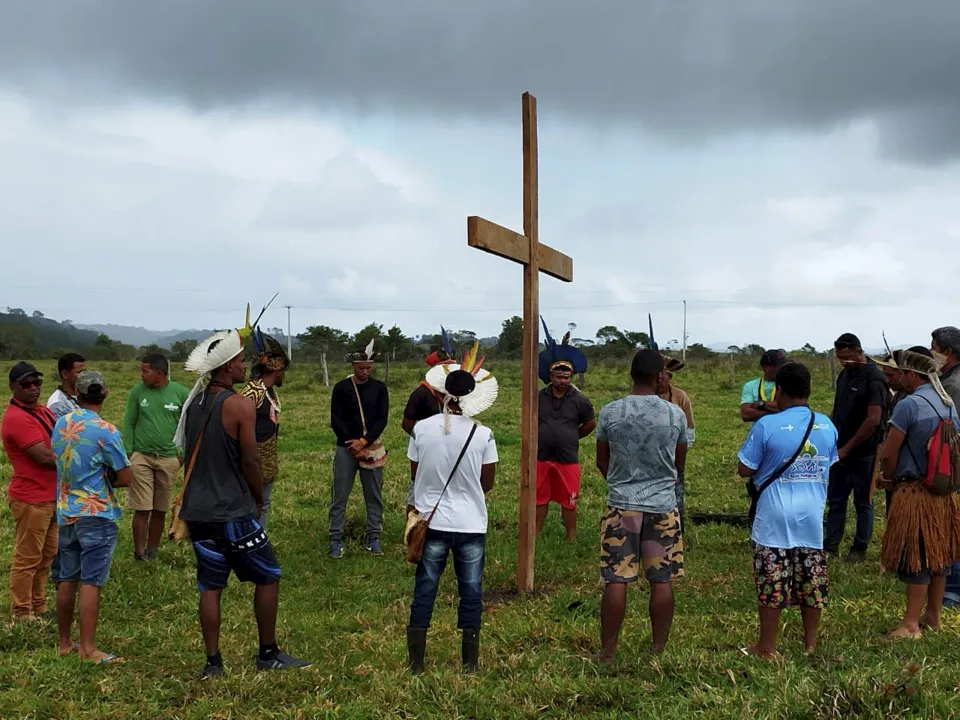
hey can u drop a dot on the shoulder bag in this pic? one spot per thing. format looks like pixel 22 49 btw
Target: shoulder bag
pixel 373 455
pixel 416 533
pixel 754 492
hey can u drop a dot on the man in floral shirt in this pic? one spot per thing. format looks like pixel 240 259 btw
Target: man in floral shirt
pixel 789 564
pixel 91 462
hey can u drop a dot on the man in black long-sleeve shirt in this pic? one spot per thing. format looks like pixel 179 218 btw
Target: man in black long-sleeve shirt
pixel 358 415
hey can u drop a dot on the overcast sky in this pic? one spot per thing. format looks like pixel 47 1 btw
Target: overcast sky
pixel 788 167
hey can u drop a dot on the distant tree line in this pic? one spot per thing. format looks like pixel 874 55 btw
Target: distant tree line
pixel 34 336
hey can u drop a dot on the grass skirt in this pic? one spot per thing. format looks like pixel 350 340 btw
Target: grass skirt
pixel 923 531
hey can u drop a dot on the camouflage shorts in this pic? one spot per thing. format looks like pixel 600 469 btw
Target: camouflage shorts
pixel 628 537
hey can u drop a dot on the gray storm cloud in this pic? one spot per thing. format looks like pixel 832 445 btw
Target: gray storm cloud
pixel 686 71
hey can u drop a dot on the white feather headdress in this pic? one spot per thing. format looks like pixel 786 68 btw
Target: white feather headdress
pixel 210 354
pixel 484 395
pixel 366 355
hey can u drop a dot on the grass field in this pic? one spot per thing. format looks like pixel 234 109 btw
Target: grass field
pixel 349 616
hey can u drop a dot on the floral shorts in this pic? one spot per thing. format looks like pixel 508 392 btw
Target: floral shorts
pixel 795 576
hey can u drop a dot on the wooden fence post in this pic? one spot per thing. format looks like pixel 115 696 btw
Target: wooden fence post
pixel 323 364
pixel 733 374
pixel 833 369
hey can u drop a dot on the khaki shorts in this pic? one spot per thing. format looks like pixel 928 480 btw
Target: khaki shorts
pixel 153 481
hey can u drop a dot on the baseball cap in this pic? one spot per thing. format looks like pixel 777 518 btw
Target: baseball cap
pixel 89 379
pixel 23 370
pixel 773 358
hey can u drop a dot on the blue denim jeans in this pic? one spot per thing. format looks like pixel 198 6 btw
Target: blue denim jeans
pixel 850 476
pixel 86 550
pixel 468 559
pixel 951 595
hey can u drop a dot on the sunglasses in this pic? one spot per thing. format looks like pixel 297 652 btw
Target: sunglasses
pixel 27 384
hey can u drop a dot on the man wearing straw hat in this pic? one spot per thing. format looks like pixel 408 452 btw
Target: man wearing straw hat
pixel 453 461
pixel 922 537
pixel 222 496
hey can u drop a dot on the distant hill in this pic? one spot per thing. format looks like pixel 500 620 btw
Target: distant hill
pixel 23 335
pixel 140 336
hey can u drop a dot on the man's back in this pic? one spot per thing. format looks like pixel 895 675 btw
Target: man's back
pixel 463 507
pixel 790 511
pixel 217 490
pixel 643 432
pixel 87 447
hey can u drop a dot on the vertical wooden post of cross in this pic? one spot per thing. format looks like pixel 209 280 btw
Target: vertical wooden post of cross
pixel 535 258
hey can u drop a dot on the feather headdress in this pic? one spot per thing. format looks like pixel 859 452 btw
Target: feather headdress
pixel 562 354
pixel 670 364
pixel 445 355
pixel 365 355
pixel 484 393
pixel 270 354
pixel 908 361
pixel 210 354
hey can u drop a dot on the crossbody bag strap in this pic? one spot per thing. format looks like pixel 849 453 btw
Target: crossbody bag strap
pixel 40 417
pixel 188 470
pixel 453 472
pixel 786 466
pixel 356 391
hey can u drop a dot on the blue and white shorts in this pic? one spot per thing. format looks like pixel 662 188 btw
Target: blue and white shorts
pixel 241 546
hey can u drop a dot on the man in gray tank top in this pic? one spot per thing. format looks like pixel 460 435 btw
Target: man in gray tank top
pixel 222 497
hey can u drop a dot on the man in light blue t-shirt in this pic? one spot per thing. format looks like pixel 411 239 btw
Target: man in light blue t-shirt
pixel 790 567
pixel 759 396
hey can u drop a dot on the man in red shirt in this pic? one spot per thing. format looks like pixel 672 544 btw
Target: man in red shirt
pixel 26 429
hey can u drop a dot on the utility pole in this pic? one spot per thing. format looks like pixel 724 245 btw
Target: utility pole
pixel 684 356
pixel 289 337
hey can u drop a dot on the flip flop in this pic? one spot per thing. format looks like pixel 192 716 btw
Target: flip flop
pixel 75 648
pixel 107 659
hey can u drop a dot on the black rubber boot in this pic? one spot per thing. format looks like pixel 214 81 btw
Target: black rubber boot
pixel 416 648
pixel 470 650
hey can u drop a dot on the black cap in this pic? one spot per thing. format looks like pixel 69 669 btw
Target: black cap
pixel 773 358
pixel 23 370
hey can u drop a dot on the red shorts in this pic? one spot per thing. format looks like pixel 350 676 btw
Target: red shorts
pixel 559 482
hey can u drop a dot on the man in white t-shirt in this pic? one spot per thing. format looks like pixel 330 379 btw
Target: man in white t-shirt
pixel 453 460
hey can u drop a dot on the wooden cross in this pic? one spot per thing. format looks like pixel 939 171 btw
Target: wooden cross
pixel 535 258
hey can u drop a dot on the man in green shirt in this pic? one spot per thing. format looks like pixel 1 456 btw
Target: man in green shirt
pixel 149 424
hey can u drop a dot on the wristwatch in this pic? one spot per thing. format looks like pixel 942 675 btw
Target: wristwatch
pixel 762 405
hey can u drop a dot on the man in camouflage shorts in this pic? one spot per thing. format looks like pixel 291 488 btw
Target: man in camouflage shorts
pixel 641 446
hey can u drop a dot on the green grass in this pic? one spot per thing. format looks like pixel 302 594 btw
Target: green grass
pixel 349 616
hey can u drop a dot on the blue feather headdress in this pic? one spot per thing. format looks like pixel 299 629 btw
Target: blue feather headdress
pixel 671 364
pixel 563 353
pixel 445 355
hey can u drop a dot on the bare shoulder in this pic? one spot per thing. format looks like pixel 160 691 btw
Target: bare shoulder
pixel 239 405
